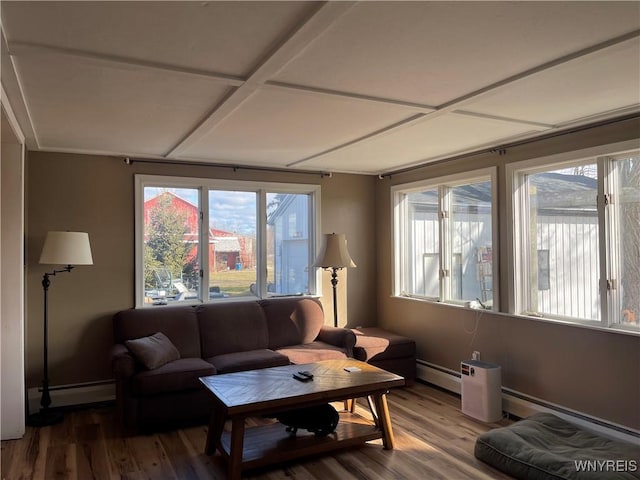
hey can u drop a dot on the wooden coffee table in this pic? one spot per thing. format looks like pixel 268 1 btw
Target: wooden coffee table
pixel 269 391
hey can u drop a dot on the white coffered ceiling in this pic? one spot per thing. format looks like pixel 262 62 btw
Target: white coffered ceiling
pixel 365 87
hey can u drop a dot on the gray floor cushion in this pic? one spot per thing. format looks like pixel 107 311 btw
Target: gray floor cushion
pixel 545 446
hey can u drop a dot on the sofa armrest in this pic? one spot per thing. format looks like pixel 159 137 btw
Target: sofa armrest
pixel 122 362
pixel 340 337
pixel 123 366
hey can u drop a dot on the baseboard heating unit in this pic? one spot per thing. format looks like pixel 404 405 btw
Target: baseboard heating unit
pixel 72 395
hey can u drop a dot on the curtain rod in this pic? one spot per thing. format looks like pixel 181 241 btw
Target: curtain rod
pixel 502 149
pixel 235 168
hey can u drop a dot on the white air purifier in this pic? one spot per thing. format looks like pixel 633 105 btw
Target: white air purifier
pixel 481 390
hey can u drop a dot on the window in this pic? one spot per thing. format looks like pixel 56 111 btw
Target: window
pixel 288 244
pixel 576 238
pixel 205 240
pixel 444 239
pixel 171 243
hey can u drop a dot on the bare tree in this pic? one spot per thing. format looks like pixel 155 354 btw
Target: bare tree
pixel 165 248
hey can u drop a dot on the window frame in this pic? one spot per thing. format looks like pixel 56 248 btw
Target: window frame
pixel 203 185
pixel 399 240
pixel 608 251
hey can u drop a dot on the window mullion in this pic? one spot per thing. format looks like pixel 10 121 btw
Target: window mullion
pixel 609 248
pixel 140 241
pixel 530 301
pixel 314 239
pixel 445 242
pixel 262 274
pixel 402 235
pixel 204 242
pixel 521 222
pixel 408 229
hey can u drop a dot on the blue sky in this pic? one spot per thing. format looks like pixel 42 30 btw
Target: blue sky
pixel 233 211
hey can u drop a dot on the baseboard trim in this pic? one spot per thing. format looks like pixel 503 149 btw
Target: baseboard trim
pixel 439 376
pixel 522 405
pixel 73 395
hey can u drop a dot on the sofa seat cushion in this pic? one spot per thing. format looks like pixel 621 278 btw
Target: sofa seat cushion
pixel 251 360
pixel 373 343
pixel 312 352
pixel 175 376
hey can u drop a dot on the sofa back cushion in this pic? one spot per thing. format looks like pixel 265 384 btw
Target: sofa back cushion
pixel 232 327
pixel 292 321
pixel 178 323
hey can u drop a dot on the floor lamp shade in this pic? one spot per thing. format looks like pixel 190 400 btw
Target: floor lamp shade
pixel 334 256
pixel 66 248
pixel 334 253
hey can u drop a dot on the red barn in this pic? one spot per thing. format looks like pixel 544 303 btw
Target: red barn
pixel 226 249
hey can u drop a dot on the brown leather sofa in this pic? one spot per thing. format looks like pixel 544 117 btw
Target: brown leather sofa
pixel 213 339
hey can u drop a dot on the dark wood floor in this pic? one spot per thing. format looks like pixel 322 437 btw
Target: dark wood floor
pixel 433 440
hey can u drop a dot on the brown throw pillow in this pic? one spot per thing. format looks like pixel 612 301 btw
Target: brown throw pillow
pixel 153 351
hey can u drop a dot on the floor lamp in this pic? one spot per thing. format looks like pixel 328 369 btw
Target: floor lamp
pixel 60 248
pixel 334 256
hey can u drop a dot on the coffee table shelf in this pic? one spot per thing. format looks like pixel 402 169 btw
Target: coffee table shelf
pixel 268 444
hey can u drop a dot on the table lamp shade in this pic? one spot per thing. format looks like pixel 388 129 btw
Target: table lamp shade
pixel 334 252
pixel 66 248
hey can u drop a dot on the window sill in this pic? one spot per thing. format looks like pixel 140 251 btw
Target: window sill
pixel 620 330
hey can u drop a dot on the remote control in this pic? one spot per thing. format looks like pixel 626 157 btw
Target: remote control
pixel 307 374
pixel 301 378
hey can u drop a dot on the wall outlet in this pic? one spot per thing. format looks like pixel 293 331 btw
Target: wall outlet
pixel 475 355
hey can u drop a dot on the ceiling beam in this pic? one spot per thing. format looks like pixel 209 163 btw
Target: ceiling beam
pixel 11 117
pixel 414 120
pixel 417 107
pixel 510 81
pixel 319 21
pixel 497 118
pixel 13 80
pixel 455 104
pixel 24 48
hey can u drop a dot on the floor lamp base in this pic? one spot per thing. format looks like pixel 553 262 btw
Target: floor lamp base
pixel 44 418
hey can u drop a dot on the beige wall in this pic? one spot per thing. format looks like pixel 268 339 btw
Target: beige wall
pixel 590 371
pixel 95 194
pixel 587 370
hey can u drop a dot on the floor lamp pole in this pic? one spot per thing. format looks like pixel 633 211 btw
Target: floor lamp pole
pixel 334 284
pixel 45 416
pixel 45 401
